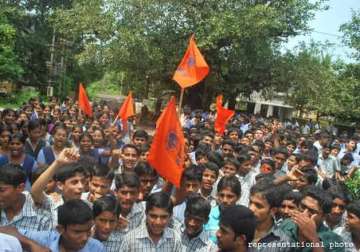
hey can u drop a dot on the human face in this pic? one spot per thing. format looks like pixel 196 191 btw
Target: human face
pixel 74 237
pixel 245 167
pixel 127 196
pixel 227 150
pixel 217 139
pixel 260 207
pixel 337 210
pixel 334 152
pixel 157 220
pixel 193 224
pixel 234 136
pixel 60 138
pixel 73 187
pixel 139 140
pixel 311 207
pixel 226 238
pixel 353 223
pixel 229 170
pixel 268 146
pixel 9 118
pixel 325 152
pixel 76 134
pixel 35 134
pixel 208 179
pixel 351 145
pixel 144 155
pixel 98 187
pixel 291 162
pixel 191 186
pixel 245 141
pixel 104 119
pixel 4 138
pixel 259 134
pixel 300 184
pixel 227 197
pixel 287 207
pixel 290 148
pixel 85 144
pixel 147 183
pixel 105 223
pixel 279 159
pixel 129 158
pixel 207 140
pixel 16 147
pixel 9 194
pixel 98 138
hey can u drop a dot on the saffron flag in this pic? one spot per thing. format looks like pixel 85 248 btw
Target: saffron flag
pixel 84 103
pixel 223 115
pixel 192 68
pixel 126 110
pixel 166 153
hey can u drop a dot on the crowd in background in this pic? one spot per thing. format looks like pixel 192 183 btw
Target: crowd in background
pixel 73 183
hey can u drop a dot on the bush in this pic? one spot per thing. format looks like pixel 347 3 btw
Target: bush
pixel 17 99
pixel 353 185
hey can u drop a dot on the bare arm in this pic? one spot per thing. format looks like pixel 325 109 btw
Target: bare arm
pixel 67 156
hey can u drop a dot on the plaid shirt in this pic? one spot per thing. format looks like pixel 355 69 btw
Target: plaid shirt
pixel 29 218
pixel 138 240
pixel 200 243
pixel 113 243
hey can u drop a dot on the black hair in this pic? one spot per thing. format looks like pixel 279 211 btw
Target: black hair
pixel 131 146
pixel 232 161
pixel 106 203
pixel 144 168
pixel 198 206
pixel 59 127
pixel 281 150
pixel 308 156
pixel 33 124
pixel 73 212
pixel 269 191
pixel 269 162
pixel 102 171
pixel 215 157
pixel 192 173
pixel 86 134
pixel 294 196
pixel 210 166
pixel 339 191
pixel 228 142
pixel 18 136
pixel 241 220
pixel 159 200
pixel 129 179
pixel 141 134
pixel 321 196
pixel 68 171
pixel 231 182
pixel 11 174
pixel 36 174
pixel 354 208
pixel 310 175
pixel 243 157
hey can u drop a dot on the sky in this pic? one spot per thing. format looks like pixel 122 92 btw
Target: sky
pixel 326 26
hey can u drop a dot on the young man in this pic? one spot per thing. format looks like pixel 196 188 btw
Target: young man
pixel 193 236
pixel 228 193
pixel 124 159
pixel 154 234
pixel 328 166
pixel 16 205
pixel 306 226
pixel 106 212
pixel 140 137
pixel 99 184
pixel 149 179
pixel 190 183
pixel 335 219
pixel 237 228
pixel 72 233
pixel 264 202
pixel 290 203
pixel 351 233
pixel 127 193
pixel 70 178
pixel 246 175
pixel 210 174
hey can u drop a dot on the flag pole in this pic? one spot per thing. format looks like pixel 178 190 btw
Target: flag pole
pixel 181 101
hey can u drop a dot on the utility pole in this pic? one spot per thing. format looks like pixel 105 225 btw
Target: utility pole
pixel 50 65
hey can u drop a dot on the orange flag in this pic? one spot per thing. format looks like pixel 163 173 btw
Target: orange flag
pixel 167 149
pixel 223 116
pixel 127 108
pixel 84 103
pixel 192 68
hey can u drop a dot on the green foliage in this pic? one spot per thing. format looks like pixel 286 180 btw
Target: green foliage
pixel 17 99
pixel 353 185
pixel 351 32
pixel 109 85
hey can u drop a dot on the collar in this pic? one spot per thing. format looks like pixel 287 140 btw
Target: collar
pixel 144 234
pixel 136 209
pixel 29 206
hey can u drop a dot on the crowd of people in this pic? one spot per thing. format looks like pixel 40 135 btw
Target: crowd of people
pixel 73 183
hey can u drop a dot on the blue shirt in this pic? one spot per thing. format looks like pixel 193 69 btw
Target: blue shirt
pixel 51 241
pixel 213 224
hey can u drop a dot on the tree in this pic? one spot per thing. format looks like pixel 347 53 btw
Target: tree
pixel 146 40
pixel 351 32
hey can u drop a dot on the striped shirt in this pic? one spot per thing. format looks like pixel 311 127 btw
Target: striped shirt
pixel 200 243
pixel 138 240
pixel 30 217
pixel 113 243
